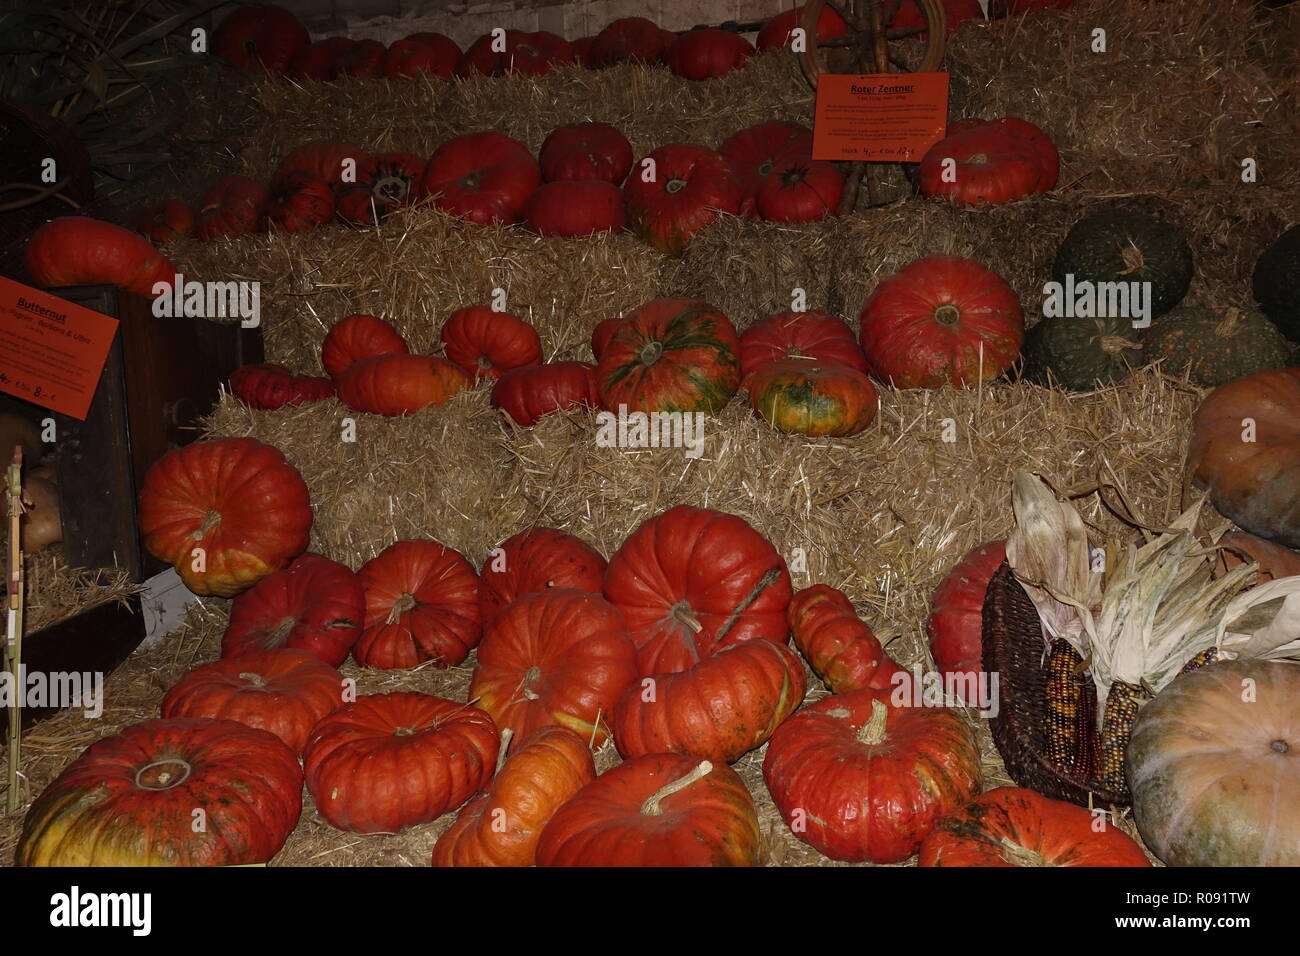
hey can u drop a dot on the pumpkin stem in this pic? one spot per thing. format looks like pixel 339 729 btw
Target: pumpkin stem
pixel 391 189
pixel 651 806
pixel 507 735
pixel 470 180
pixel 280 633
pixel 650 353
pixel 1111 344
pixel 873 731
pixel 400 607
pixel 1227 327
pixel 1132 256
pixel 683 613
pixel 531 677
pixel 162 774
pixel 257 680
pixel 1279 746
pixel 1019 855
pixel 674 186
pixel 947 314
pixel 210 521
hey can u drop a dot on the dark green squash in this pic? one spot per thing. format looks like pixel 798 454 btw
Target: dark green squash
pixel 1081 354
pixel 1215 346
pixel 1122 246
pixel 1277 283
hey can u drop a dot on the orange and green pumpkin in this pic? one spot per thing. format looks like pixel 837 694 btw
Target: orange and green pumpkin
pixel 1214 346
pixel 813 398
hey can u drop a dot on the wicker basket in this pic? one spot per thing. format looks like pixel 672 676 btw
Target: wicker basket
pixel 1013 649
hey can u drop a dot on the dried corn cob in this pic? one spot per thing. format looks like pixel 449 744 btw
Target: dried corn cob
pixel 1085 733
pixel 1117 723
pixel 1206 656
pixel 1064 690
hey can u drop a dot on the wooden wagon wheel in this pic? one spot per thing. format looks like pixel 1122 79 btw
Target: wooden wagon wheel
pixel 866 43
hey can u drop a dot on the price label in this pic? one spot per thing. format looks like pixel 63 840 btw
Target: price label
pixel 879 117
pixel 52 351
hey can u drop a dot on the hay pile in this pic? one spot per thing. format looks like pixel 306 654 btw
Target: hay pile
pixel 55 592
pixel 882 515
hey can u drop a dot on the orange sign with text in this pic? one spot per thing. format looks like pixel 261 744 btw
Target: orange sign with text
pixel 52 351
pixel 879 117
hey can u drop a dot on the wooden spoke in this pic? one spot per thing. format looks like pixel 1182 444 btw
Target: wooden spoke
pixel 898 33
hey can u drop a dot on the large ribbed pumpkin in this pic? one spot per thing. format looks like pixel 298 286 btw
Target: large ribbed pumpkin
pixel 670 355
pixel 720 709
pixel 1214 766
pixel 358 337
pixel 860 779
pixel 536 560
pixel 955 626
pixel 224 513
pixel 559 656
pixel 675 192
pixel 1246 451
pixel 400 384
pixel 1009 826
pixel 808 397
pixel 314 604
pixel 283 691
pixel 692 580
pixel 138 799
pixel 501 826
pixel 421 605
pixel 805 335
pixel 388 761
pixel 656 810
pixel 941 320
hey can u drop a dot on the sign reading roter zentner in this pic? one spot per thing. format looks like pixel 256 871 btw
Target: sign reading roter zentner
pixel 879 117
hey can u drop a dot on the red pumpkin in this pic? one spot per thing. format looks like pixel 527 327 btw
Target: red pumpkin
pixel 838 645
pixel 719 709
pixel 282 691
pixel 990 167
pixel 799 190
pixel 581 50
pixel 1009 826
pixel 76 250
pixel 234 206
pixel 482 177
pixel 486 343
pixel 753 152
pixel 358 337
pixel 224 513
pixel 956 12
pixel 1029 136
pixel 584 151
pixel 675 192
pixel 322 60
pixel 704 54
pixel 537 560
pixel 269 386
pixel 420 53
pixel 799 335
pixel 325 160
pixel 813 398
pixel 775 34
pixel 656 810
pixel 385 182
pixel 130 799
pixel 364 59
pixel 692 581
pixel 501 826
pixel 389 761
pixel 860 779
pixel 421 605
pixel 671 355
pixel 165 221
pixel 529 54
pixel 571 209
pixel 299 203
pixel 314 605
pixel 558 656
pixel 955 626
pixel 942 320
pixel 260 37
pixel 526 394
pixel 602 334
pixel 629 40
pixel 400 384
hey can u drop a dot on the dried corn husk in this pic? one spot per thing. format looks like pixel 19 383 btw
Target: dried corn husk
pixel 1161 608
pixel 1264 622
pixel 1048 552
